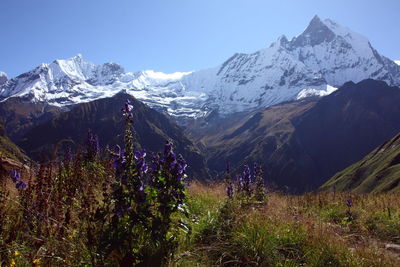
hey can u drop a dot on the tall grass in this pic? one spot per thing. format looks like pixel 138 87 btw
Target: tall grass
pixel 309 230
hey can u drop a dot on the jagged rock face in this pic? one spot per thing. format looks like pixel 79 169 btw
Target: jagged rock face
pixel 309 36
pixel 341 55
pixel 323 57
pixel 3 78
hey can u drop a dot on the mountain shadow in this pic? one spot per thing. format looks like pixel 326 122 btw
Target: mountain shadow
pixel 103 117
pixel 301 144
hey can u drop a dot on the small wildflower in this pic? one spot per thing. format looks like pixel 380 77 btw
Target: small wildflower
pixel 140 160
pixel 20 185
pixel 229 190
pixel 16 178
pixel 349 203
pixel 127 110
pixel 246 180
pixel 37 262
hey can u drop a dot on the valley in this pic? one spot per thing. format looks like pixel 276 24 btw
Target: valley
pixel 286 156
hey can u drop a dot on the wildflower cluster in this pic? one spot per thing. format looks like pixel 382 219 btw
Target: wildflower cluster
pixel 145 197
pixel 348 215
pixel 92 209
pixel 248 185
pixel 167 188
pixel 16 178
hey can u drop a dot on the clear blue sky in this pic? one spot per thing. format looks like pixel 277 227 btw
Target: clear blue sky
pixel 174 35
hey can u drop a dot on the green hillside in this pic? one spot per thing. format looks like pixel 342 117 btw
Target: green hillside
pixel 8 150
pixel 378 172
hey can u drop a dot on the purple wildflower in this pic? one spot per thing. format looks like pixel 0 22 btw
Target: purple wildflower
pixel 140 161
pixel 229 190
pixel 20 185
pixel 168 154
pixel 127 110
pixel 349 203
pixel 246 180
pixel 118 164
pixel 16 178
pixel 180 168
pixel 239 181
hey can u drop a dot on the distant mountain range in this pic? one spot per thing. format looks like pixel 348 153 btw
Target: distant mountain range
pixel 322 58
pixel 302 144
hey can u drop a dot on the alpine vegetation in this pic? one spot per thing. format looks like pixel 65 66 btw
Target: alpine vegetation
pixel 120 206
pixel 248 186
pixel 96 207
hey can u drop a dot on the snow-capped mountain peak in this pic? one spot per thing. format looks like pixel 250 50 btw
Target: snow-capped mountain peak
pixel 316 62
pixel 3 77
pixel 316 33
pixel 320 31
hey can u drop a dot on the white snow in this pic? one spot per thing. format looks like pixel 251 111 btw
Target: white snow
pixel 281 72
pixel 397 62
pixel 164 76
pixel 309 92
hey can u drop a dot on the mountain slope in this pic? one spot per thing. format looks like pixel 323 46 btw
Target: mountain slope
pixel 302 144
pixel 11 157
pixel 9 150
pixel 323 57
pixel 377 172
pixel 19 116
pixel 103 117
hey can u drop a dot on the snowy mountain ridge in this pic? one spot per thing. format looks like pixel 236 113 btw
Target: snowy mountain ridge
pixel 3 77
pixel 316 62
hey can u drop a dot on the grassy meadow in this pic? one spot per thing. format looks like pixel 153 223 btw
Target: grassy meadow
pixel 309 230
pixel 283 230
